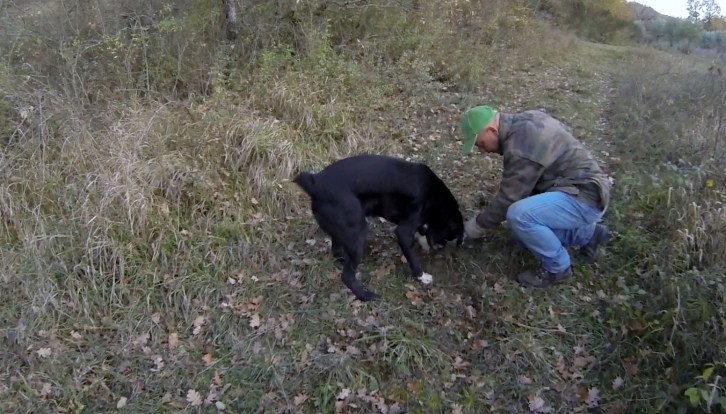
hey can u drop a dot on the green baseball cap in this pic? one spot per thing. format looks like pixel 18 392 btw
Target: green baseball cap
pixel 474 121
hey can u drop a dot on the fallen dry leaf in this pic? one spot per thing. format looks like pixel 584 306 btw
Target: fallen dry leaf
pixel 460 363
pixel 121 403
pixel 220 405
pixel 45 390
pixel 593 397
pixel 207 358
pixel 413 295
pixel 255 320
pixel 194 398
pixel 617 383
pixel 164 208
pixel 524 380
pixel 456 409
pixel 470 312
pixel 536 403
pixel 158 363
pixel 211 396
pixel 562 368
pixel 479 345
pixel 299 399
pixel 580 361
pixel 198 323
pixel 166 398
pixel 345 393
pixel 630 366
pixel 173 340
pixel 43 352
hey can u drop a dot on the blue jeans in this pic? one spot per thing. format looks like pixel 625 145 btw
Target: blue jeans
pixel 548 223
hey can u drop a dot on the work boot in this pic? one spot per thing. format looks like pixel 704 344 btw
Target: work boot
pixel 591 251
pixel 542 278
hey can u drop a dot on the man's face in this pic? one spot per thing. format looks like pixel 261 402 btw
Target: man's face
pixel 487 140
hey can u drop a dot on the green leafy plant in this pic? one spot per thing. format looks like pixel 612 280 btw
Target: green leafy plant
pixel 707 392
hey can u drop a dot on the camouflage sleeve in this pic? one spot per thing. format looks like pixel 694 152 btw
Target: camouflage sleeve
pixel 518 180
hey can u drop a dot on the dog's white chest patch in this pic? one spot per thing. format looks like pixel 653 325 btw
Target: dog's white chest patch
pixel 426 278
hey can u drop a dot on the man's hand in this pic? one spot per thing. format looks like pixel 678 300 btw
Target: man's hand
pixel 472 230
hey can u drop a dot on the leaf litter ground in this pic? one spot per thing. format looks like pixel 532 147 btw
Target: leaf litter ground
pixel 297 341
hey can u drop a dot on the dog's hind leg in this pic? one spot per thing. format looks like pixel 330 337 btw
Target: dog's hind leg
pixel 353 249
pixel 336 249
pixel 345 222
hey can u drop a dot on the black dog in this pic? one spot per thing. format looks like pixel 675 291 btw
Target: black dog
pixel 407 194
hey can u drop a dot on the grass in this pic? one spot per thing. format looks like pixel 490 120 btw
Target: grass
pixel 156 258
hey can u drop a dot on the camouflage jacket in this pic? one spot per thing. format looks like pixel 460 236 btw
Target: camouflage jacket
pixel 541 155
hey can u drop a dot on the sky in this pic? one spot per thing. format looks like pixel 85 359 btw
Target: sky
pixel 675 8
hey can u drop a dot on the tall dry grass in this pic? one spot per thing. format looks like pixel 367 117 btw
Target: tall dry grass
pixel 669 125
pixel 147 153
pixel 673 125
pixel 113 116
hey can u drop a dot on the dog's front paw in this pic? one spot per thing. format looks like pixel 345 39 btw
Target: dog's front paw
pixel 368 296
pixel 426 278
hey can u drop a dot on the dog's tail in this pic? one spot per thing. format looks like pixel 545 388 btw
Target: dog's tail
pixel 306 181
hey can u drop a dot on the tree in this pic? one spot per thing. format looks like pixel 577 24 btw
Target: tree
pixel 711 10
pixel 705 11
pixel 694 10
pixel 689 31
pixel 717 24
pixel 656 28
pixel 618 9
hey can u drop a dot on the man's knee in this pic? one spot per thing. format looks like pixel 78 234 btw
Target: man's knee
pixel 516 214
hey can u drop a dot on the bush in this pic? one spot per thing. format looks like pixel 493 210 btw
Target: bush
pixel 598 20
pixel 676 34
pixel 713 40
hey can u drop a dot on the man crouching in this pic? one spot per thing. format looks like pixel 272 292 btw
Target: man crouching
pixel 552 193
